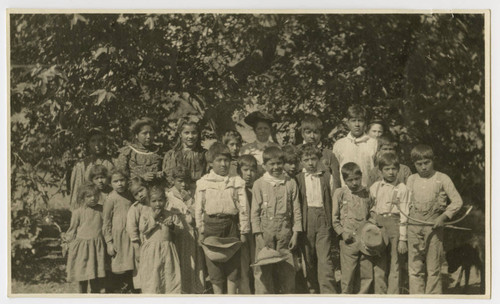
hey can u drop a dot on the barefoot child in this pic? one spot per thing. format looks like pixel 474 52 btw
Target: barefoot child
pixel 159 270
pixel 86 246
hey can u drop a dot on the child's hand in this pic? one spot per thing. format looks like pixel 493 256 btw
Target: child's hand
pixel 243 238
pixel 137 251
pixel 402 247
pixel 439 222
pixel 111 249
pixel 347 237
pixel 64 247
pixel 293 242
pixel 149 176
pixel 157 213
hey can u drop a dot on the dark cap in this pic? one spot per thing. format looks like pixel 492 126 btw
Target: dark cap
pixel 253 118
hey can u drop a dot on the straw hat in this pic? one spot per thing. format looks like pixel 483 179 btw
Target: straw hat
pixel 219 249
pixel 253 118
pixel 268 256
pixel 371 240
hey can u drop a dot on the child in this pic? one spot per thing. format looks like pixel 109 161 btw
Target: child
pixel 180 203
pixel 276 223
pixel 98 175
pixel 138 189
pixel 159 270
pixel 387 144
pixel 140 158
pixel 87 249
pixel 292 161
pixel 118 242
pixel 311 128
pixel 430 192
pixel 232 139
pixel 247 170
pixel 97 156
pixel 356 147
pixel 187 152
pixel 350 210
pixel 375 129
pixel 385 194
pixel 220 204
pixel 316 188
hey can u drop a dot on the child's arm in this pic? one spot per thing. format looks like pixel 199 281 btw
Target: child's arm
pixel 199 202
pixel 133 224
pixel 106 225
pixel 455 198
pixel 243 207
pixel 147 221
pixel 404 203
pixel 336 203
pixel 256 208
pixel 73 226
pixel 297 215
pixel 335 168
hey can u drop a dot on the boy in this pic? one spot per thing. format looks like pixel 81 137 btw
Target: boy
pixel 311 127
pixel 292 161
pixel 220 205
pixel 232 139
pixel 385 194
pixel 388 144
pixel 430 192
pixel 276 222
pixel 247 170
pixel 316 188
pixel 350 211
pixel 356 147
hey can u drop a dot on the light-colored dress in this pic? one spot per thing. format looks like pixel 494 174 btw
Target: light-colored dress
pixel 80 174
pixel 116 209
pixel 133 216
pixel 193 161
pixel 86 250
pixel 186 242
pixel 159 270
pixel 137 161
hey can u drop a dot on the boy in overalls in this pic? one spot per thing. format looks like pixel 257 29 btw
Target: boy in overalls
pixel 276 221
pixel 430 192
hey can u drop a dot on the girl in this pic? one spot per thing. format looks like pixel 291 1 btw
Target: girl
pixel 98 175
pixel 97 156
pixel 86 250
pixel 180 202
pixel 187 152
pixel 159 269
pixel 139 190
pixel 376 129
pixel 140 158
pixel 118 242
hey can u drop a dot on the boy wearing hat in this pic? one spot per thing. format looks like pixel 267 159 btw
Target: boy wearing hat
pixel 316 188
pixel 350 212
pixel 220 206
pixel 386 194
pixel 276 222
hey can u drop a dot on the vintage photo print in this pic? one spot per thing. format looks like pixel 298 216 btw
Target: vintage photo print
pixel 249 153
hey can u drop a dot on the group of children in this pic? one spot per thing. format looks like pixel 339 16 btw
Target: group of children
pixel 198 219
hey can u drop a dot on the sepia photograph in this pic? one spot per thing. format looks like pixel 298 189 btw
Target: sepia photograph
pixel 249 153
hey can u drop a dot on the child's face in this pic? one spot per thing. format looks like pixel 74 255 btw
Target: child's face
pixel 189 136
pixel 353 182
pixel 100 181
pixel 310 163
pixel 291 168
pixel 234 146
pixel 274 167
pixel 376 130
pixel 389 173
pixel 425 167
pixel 180 184
pixel 248 174
pixel 221 164
pixel 311 136
pixel 90 199
pixel 119 183
pixel 262 131
pixel 157 201
pixel 145 136
pixel 97 144
pixel 387 148
pixel 356 126
pixel 141 195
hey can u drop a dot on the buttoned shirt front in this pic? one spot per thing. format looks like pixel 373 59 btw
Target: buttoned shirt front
pixel 313 188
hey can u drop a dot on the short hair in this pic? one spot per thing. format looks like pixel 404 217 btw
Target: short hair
pixel 387 140
pixel 97 170
pixel 376 122
pixel 117 170
pixel 230 135
pixel 420 152
pixel 272 152
pixel 311 122
pixel 137 125
pixel 217 148
pixel 181 173
pixel 247 160
pixel 87 187
pixel 135 183
pixel 291 154
pixel 310 149
pixel 349 169
pixel 356 111
pixel 158 189
pixel 388 159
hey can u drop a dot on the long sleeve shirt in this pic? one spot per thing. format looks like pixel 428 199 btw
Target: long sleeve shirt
pixel 350 210
pixel 271 197
pixel 313 188
pixel 133 216
pixel 217 194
